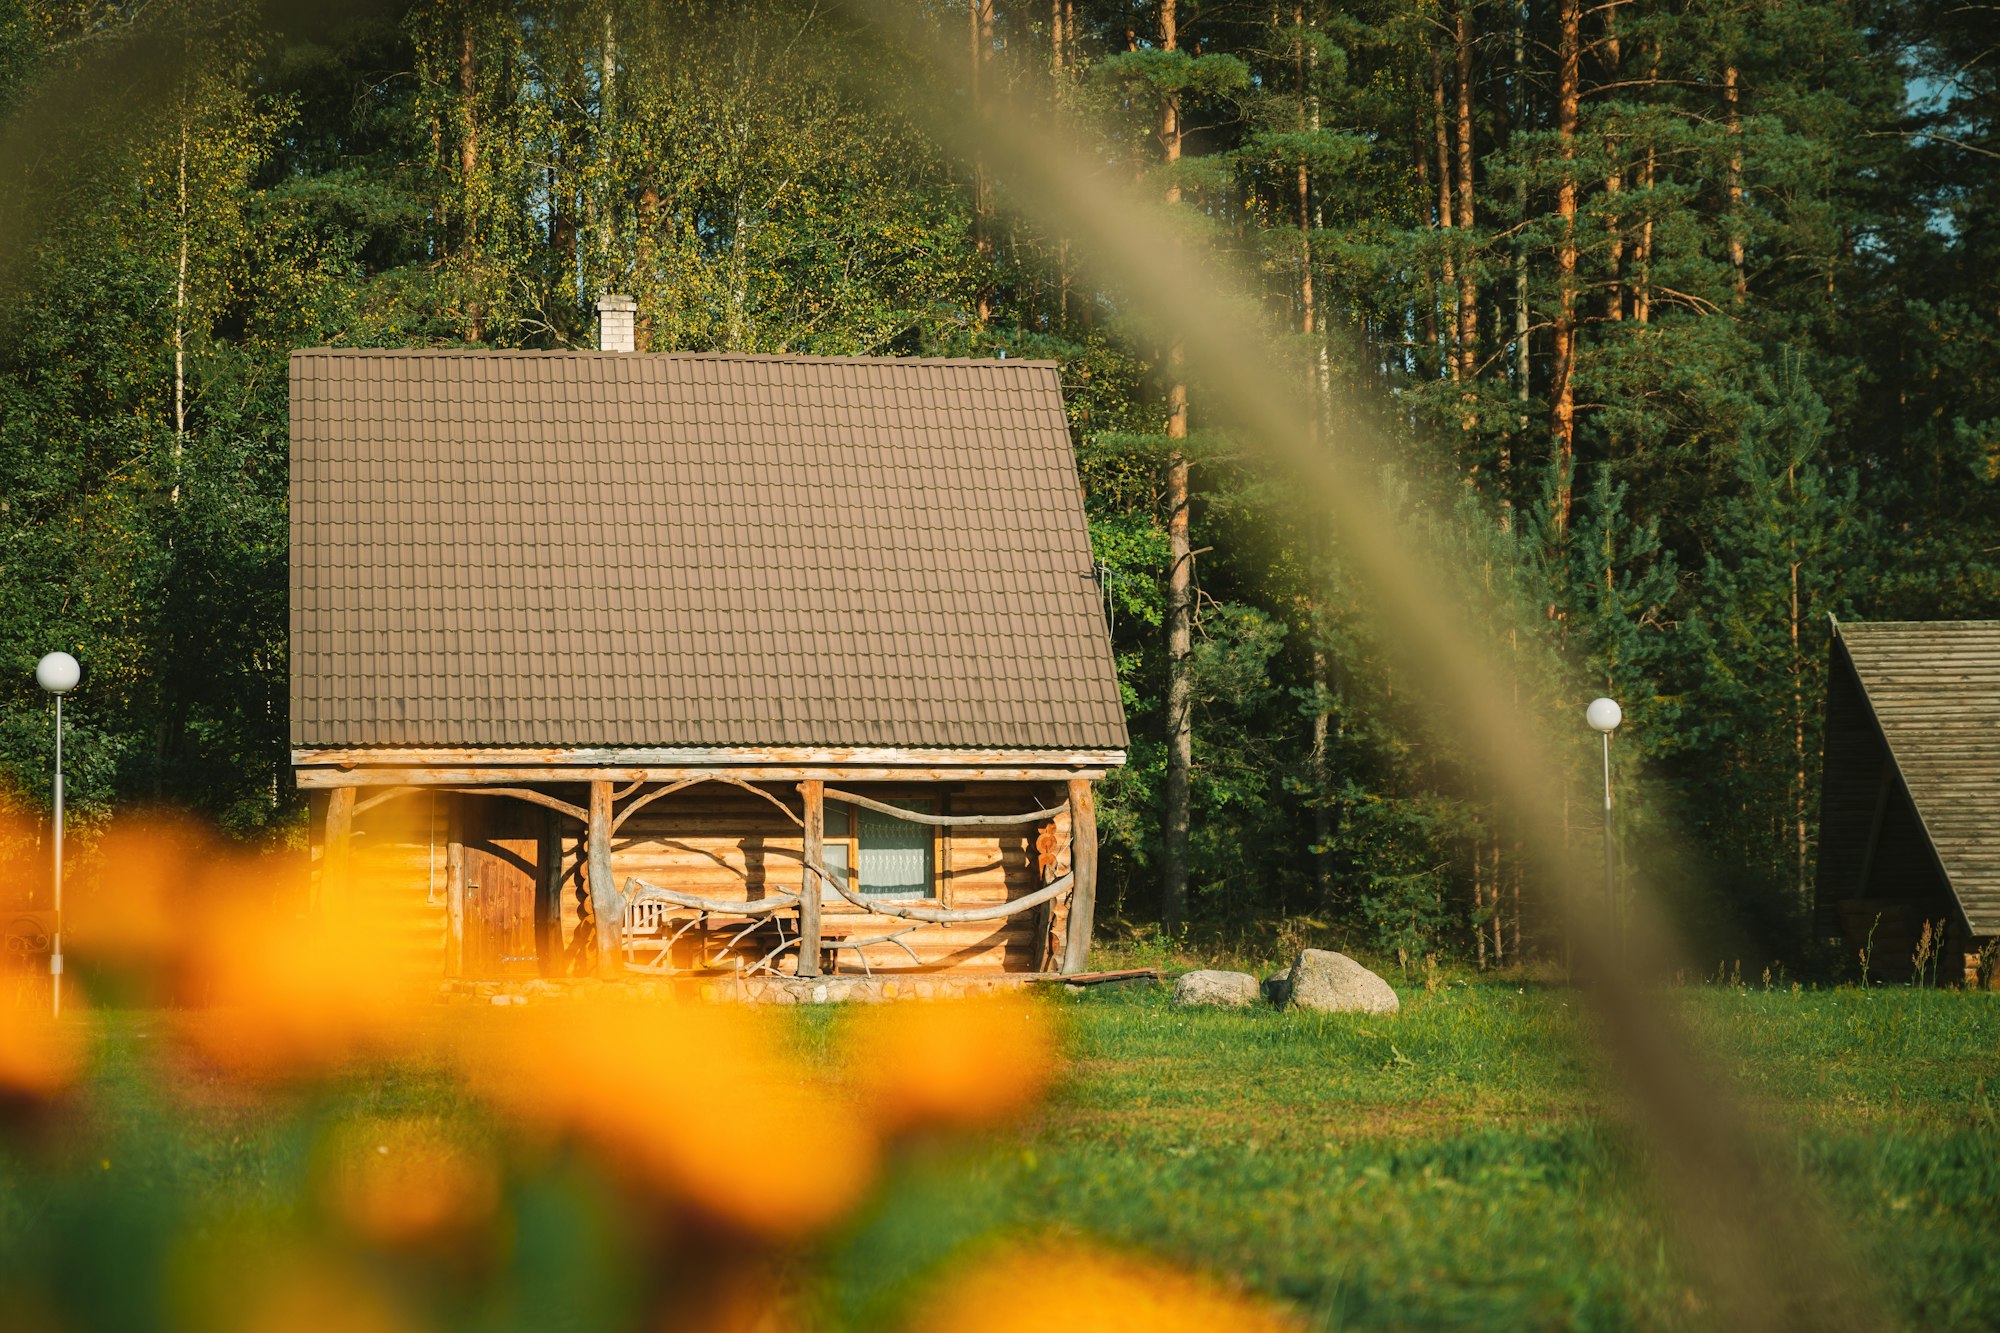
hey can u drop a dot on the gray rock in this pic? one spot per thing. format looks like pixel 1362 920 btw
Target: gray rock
pixel 1333 983
pixel 1233 990
pixel 1278 988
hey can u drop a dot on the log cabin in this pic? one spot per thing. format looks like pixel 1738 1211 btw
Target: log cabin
pixel 1910 797
pixel 610 663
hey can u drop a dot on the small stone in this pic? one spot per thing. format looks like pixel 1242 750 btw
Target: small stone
pixel 1332 983
pixel 503 999
pixel 1232 990
pixel 819 993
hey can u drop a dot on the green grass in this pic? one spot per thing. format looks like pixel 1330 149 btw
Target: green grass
pixel 1467 1163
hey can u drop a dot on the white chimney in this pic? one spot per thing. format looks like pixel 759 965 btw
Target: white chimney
pixel 615 314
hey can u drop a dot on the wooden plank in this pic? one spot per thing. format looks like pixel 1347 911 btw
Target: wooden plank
pixel 941 821
pixel 454 897
pixel 703 757
pixel 337 863
pixel 313 776
pixel 814 793
pixel 604 905
pixel 548 901
pixel 1083 866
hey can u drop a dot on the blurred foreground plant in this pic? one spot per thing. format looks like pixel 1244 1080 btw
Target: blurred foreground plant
pixel 598 1161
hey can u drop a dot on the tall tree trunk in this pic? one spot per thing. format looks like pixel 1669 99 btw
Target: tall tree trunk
pixel 1441 145
pixel 1614 183
pixel 645 252
pixel 607 134
pixel 1180 570
pixel 1318 390
pixel 1563 391
pixel 979 14
pixel 181 219
pixel 468 167
pixel 1731 93
pixel 1522 323
pixel 1468 279
pixel 1642 249
pixel 1798 665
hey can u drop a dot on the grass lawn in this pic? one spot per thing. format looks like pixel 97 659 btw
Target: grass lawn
pixel 1464 1164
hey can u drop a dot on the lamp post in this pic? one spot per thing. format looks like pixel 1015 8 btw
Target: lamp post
pixel 1604 715
pixel 58 673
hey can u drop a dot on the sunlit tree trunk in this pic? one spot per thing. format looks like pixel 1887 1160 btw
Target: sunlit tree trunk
pixel 181 222
pixel 1563 390
pixel 468 168
pixel 1731 95
pixel 1468 279
pixel 1180 570
pixel 979 14
pixel 1614 183
pixel 1441 147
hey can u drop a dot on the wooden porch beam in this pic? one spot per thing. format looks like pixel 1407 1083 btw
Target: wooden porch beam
pixel 336 859
pixel 943 821
pixel 637 757
pixel 1083 866
pixel 312 777
pixel 814 793
pixel 605 907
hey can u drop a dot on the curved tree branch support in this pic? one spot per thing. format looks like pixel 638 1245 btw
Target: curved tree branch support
pixel 1083 869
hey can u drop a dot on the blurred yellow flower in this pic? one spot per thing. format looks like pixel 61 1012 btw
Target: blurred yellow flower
pixel 407 1182
pixel 40 1057
pixel 700 1104
pixel 1032 1288
pixel 954 1064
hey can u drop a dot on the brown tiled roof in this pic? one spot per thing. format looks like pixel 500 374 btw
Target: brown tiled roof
pixel 1931 689
pixel 588 549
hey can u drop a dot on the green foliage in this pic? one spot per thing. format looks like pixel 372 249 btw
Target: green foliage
pixel 1783 366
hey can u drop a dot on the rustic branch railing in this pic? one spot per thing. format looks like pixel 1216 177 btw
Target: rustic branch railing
pixel 561 807
pixel 732 906
pixel 945 821
pixel 944 916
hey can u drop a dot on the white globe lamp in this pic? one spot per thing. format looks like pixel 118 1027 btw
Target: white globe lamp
pixel 57 673
pixel 1604 715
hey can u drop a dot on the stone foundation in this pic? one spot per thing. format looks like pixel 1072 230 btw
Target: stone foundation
pixel 741 990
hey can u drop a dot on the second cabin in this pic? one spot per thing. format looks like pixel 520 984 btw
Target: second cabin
pixel 613 663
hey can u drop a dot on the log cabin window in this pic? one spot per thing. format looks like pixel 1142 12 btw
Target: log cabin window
pixel 897 859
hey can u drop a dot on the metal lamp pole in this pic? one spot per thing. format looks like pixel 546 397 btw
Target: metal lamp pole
pixel 58 673
pixel 1604 715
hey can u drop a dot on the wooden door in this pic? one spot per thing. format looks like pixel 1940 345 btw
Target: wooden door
pixel 503 874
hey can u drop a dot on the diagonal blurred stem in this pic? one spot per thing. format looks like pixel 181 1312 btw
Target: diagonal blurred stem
pixel 1725 1194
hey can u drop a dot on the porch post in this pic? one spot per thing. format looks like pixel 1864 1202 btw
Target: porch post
pixel 548 898
pixel 335 856
pixel 1082 864
pixel 814 792
pixel 454 888
pixel 604 905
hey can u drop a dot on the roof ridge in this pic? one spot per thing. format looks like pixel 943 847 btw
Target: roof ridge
pixel 786 358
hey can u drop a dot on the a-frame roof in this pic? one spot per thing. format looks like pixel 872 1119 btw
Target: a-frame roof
pixel 1932 689
pixel 612 550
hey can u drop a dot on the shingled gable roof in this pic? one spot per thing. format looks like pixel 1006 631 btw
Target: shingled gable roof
pixel 583 549
pixel 1932 691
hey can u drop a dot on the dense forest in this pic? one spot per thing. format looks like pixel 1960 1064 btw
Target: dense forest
pixel 1680 319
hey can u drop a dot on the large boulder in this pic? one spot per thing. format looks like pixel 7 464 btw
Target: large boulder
pixel 1333 983
pixel 1234 990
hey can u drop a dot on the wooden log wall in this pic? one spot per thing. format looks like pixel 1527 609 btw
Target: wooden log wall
pixel 396 879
